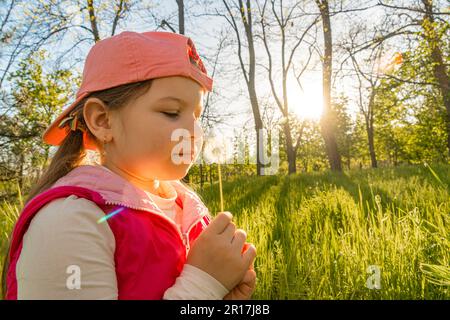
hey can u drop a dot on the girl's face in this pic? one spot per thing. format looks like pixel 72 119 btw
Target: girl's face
pixel 152 135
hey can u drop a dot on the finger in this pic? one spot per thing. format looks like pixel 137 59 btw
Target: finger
pixel 251 280
pixel 249 255
pixel 248 284
pixel 239 239
pixel 219 223
pixel 252 265
pixel 246 245
pixel 229 231
pixel 245 292
pixel 249 277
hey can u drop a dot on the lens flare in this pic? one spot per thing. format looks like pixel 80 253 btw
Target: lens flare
pixel 109 215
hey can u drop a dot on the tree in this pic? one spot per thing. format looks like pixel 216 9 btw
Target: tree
pixel 327 122
pixel 37 96
pixel 283 20
pixel 367 95
pixel 433 37
pixel 249 74
pixel 344 129
pixel 434 29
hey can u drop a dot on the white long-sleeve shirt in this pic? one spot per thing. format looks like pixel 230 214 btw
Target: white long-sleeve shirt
pixel 64 235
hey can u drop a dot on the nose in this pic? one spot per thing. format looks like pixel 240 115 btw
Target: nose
pixel 195 135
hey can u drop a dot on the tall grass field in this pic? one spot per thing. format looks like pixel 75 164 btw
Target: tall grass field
pixel 363 234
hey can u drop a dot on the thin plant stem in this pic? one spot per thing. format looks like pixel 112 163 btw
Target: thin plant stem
pixel 220 187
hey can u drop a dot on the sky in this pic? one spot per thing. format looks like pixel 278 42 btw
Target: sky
pixel 232 94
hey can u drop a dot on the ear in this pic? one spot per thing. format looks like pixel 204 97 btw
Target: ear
pixel 97 118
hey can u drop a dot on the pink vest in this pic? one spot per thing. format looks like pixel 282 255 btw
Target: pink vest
pixel 150 248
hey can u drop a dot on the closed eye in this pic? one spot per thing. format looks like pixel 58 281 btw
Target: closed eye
pixel 171 114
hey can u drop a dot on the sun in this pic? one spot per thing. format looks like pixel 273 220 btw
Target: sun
pixel 306 103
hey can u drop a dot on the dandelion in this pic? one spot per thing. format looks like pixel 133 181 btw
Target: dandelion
pixel 218 150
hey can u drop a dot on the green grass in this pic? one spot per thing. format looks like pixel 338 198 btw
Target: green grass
pixel 317 234
pixel 9 212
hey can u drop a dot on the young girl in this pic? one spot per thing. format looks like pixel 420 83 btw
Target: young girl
pixel 128 228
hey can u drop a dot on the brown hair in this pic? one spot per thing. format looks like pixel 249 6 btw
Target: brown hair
pixel 71 152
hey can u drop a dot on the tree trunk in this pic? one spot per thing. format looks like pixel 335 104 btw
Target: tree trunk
pixel 258 129
pixel 252 87
pixel 290 150
pixel 180 16
pixel 370 138
pixel 246 18
pixel 439 68
pixel 327 121
pixel 93 20
pixel 371 131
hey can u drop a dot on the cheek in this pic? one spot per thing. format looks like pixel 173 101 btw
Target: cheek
pixel 146 148
pixel 148 140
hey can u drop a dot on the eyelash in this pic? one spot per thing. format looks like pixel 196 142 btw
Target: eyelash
pixel 171 115
pixel 175 115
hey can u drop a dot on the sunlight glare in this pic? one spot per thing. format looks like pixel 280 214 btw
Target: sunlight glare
pixel 306 103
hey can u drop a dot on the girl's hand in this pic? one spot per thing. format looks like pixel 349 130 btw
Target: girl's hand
pixel 218 251
pixel 245 288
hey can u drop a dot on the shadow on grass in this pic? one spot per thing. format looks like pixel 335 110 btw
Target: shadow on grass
pixel 363 192
pixel 358 187
pixel 254 190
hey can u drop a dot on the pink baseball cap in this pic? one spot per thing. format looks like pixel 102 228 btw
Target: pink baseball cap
pixel 132 57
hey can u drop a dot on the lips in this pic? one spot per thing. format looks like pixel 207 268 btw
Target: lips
pixel 186 153
pixel 182 154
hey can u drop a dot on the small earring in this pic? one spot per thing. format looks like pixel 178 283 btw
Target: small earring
pixel 103 149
